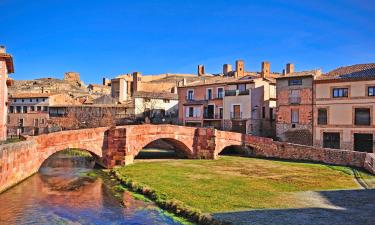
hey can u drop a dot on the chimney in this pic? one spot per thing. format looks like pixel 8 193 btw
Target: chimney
pixel 227 68
pixel 137 80
pixel 266 69
pixel 2 49
pixel 240 68
pixel 289 68
pixel 201 70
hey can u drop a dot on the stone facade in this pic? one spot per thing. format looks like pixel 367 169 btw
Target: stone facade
pixel 6 67
pixel 119 145
pixel 295 96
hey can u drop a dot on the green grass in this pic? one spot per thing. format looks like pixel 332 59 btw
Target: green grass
pixel 236 183
pixel 11 140
pixel 76 152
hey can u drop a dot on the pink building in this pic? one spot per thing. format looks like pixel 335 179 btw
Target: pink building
pixel 6 67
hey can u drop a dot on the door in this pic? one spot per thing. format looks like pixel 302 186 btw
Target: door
pixel 331 140
pixel 363 142
pixel 236 112
pixel 210 111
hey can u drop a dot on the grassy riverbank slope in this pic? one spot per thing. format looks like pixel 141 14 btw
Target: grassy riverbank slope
pixel 237 183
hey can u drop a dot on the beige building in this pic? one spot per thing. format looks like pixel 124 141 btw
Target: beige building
pixel 29 112
pixel 157 106
pixel 344 105
pixel 6 67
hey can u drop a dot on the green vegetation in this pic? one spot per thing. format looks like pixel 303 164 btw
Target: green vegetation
pixel 11 140
pixel 232 183
pixel 76 152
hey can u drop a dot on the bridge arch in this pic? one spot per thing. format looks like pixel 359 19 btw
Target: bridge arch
pixel 48 154
pixel 179 146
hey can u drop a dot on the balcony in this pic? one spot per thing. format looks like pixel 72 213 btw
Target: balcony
pixel 236 115
pixel 212 116
pixel 237 92
pixel 294 100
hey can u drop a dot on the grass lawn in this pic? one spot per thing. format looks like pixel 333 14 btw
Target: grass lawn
pixel 237 183
pixel 10 140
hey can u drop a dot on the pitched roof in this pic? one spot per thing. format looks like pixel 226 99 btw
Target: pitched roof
pixel 358 71
pixel 9 61
pixel 156 95
pixel 31 95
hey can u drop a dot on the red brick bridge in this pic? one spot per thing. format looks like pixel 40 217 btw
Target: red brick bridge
pixel 119 145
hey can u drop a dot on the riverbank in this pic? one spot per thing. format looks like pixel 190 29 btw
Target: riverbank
pixel 204 187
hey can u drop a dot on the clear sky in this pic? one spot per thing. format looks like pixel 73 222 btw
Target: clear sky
pixel 107 38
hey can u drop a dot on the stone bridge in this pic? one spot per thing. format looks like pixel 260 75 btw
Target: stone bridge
pixel 119 145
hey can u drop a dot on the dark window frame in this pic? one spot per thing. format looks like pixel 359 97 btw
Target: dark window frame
pixel 340 92
pixel 360 121
pixel 322 120
pixel 372 92
pixel 295 82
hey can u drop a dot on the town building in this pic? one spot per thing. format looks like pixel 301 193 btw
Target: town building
pixel 344 102
pixel 29 112
pixel 6 67
pixel 157 106
pixel 294 120
pixel 70 117
pixel 240 101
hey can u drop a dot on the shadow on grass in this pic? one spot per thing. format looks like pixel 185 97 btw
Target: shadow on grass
pixel 347 207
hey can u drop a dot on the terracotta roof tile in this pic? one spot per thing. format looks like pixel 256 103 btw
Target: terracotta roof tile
pixel 358 71
pixel 156 95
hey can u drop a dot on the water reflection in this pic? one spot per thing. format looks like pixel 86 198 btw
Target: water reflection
pixel 59 194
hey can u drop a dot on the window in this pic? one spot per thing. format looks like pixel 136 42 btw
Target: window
pixel 191 111
pixel 37 100
pixel 147 100
pixel 295 116
pixel 263 112
pixel 36 122
pixel 45 109
pixel 32 108
pixel 25 109
pixel 39 108
pixel 43 99
pixel 166 100
pixel 11 109
pixel 20 122
pixel 18 109
pixel 190 95
pixel 30 100
pixel 371 91
pixel 294 82
pixel 23 100
pixel 340 92
pixel 271 114
pixel 220 93
pixel 331 140
pixel 241 87
pixel 294 97
pixel 41 121
pixel 322 116
pixel 362 116
pixel 221 112
pixel 209 94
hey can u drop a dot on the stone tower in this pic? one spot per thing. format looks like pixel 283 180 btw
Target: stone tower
pixel 201 70
pixel 289 68
pixel 227 68
pixel 266 67
pixel 240 68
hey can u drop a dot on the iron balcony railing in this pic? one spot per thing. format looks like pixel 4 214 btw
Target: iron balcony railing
pixel 236 115
pixel 212 116
pixel 237 92
pixel 294 100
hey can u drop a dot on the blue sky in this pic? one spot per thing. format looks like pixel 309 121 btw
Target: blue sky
pixel 107 38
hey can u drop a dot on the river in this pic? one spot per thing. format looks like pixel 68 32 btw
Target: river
pixel 62 193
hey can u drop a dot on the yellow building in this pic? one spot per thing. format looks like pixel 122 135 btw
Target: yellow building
pixel 344 103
